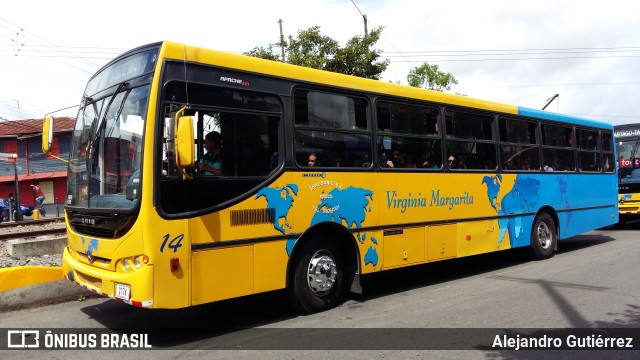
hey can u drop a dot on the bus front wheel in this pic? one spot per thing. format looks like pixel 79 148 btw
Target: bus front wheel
pixel 543 237
pixel 318 278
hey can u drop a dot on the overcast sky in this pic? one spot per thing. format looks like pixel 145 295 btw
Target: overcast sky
pixel 516 52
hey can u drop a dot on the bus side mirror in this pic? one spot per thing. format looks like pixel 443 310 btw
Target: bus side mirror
pixel 47 134
pixel 184 142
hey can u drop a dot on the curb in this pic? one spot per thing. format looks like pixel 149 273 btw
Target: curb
pixel 20 276
pixel 24 287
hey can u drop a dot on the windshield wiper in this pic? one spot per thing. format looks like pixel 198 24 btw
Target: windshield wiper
pixel 94 138
pixel 102 121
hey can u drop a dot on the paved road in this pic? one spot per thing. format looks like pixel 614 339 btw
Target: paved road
pixel 592 282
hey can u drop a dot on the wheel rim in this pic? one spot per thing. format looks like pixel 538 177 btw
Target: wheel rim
pixel 544 235
pixel 322 272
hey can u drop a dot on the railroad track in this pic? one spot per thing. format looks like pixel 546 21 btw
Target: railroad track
pixel 31 228
pixel 32 234
pixel 10 224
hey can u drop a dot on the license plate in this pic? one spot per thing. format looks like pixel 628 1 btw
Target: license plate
pixel 123 291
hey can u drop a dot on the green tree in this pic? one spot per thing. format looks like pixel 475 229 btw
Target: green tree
pixel 358 59
pixel 430 77
pixel 311 49
pixel 264 53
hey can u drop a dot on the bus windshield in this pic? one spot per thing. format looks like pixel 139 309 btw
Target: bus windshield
pixel 628 160
pixel 106 151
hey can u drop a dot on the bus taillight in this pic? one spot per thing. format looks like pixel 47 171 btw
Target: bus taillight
pixel 174 263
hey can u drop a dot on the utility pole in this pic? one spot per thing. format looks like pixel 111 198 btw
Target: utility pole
pixel 550 100
pixel 18 209
pixel 281 39
pixel 14 158
pixel 366 31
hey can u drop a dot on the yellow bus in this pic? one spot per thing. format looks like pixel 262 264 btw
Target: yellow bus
pixel 197 176
pixel 627 141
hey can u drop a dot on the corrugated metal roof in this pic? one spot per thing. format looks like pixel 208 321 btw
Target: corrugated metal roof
pixel 36 176
pixel 34 126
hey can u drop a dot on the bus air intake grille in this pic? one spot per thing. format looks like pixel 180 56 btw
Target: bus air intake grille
pixel 252 216
pixel 93 231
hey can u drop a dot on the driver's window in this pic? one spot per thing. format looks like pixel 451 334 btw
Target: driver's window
pixel 236 143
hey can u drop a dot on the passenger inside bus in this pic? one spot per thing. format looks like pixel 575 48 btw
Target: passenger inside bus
pixel 400 160
pixel 313 160
pixel 455 163
pixel 210 163
pixel 427 162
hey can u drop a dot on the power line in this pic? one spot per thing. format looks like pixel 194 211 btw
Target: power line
pixel 60 56
pixel 72 55
pixel 526 58
pixel 597 49
pixel 513 53
pixel 547 85
pixel 120 50
pixel 383 37
pixel 59 80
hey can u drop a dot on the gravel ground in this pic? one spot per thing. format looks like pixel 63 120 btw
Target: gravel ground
pixel 41 260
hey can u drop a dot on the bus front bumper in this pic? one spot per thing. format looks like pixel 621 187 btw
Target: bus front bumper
pixel 133 287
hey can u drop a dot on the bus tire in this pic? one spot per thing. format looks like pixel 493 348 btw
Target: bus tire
pixel 543 237
pixel 318 277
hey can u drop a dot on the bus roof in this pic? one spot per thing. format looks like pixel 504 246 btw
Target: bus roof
pixel 564 118
pixel 178 51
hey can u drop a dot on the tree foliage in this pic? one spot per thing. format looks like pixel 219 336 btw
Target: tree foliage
pixel 429 76
pixel 311 49
pixel 264 53
pixel 358 59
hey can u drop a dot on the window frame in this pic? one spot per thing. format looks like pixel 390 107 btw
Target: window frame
pixel 301 151
pixel 494 141
pixel 436 136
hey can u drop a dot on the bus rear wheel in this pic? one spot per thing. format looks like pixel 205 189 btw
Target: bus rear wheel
pixel 543 237
pixel 318 278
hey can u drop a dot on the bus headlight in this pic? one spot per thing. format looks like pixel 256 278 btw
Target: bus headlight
pixel 141 260
pixel 135 263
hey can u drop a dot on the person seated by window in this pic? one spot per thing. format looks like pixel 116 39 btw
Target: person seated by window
pixel 400 160
pixel 427 162
pixel 364 162
pixel 210 163
pixel 456 163
pixel 313 161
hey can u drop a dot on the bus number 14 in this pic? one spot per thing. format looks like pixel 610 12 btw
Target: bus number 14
pixel 173 244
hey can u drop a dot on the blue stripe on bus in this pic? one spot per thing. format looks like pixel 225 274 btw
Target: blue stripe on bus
pixel 564 118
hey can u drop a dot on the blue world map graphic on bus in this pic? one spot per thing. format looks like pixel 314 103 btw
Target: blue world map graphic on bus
pixel 281 200
pixel 371 256
pixel 92 246
pixel 521 199
pixel 527 195
pixel 349 206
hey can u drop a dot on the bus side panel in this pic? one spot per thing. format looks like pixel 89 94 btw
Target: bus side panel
pixel 578 222
pixel 404 247
pixel 222 273
pixel 270 266
pixel 169 242
pixel 479 237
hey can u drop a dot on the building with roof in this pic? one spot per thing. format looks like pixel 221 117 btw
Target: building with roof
pixel 24 137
